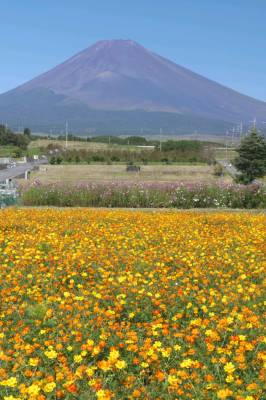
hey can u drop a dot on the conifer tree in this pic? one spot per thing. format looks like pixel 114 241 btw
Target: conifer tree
pixel 251 160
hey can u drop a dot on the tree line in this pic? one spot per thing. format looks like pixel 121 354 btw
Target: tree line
pixel 9 138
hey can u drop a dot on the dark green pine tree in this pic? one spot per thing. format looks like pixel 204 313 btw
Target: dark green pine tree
pixel 251 160
pixel 27 132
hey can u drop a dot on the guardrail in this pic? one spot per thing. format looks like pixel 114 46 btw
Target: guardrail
pixel 8 196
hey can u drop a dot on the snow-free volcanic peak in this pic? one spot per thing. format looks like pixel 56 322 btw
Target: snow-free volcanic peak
pixel 121 75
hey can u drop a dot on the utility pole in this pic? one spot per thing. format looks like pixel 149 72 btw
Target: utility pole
pixel 226 148
pixel 234 133
pixel 241 130
pixel 160 139
pixel 66 133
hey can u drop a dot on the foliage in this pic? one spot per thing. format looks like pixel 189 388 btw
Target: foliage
pixel 181 145
pixel 144 195
pixel 183 152
pixel 27 132
pixel 56 160
pixel 130 140
pixel 251 161
pixel 7 137
pixel 7 200
pixel 115 305
pixel 218 170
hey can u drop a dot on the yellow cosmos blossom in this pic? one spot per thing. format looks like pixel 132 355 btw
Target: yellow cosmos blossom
pixel 120 364
pixel 33 390
pixel 229 378
pixel 103 395
pixel 90 371
pixel 33 362
pixel 77 358
pixel 114 355
pixel 10 382
pixel 173 380
pixel 229 368
pixel 49 387
pixel 52 354
pixel 12 398
pixel 224 393
pixel 186 363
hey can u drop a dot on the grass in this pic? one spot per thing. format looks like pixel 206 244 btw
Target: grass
pixel 8 151
pixel 78 145
pixel 117 173
pixel 221 154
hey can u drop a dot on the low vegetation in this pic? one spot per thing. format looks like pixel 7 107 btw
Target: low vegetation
pixel 102 173
pixel 9 138
pixel 115 305
pixel 144 195
pixel 168 152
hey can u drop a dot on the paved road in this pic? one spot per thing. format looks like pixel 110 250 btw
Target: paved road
pixel 20 169
pixel 228 167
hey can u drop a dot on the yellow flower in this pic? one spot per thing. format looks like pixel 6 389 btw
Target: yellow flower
pixel 49 387
pixel 144 365
pixel 103 395
pixel 114 355
pixel 166 352
pixel 52 354
pixel 33 362
pixel 229 378
pixel 229 368
pixel 11 382
pixel 78 358
pixel 224 393
pixel 96 350
pixel 186 363
pixel 12 398
pixel 90 371
pixel 120 364
pixel 173 380
pixel 33 390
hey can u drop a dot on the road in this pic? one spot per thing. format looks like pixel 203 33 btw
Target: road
pixel 18 170
pixel 228 167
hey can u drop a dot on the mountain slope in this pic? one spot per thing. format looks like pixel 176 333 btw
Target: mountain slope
pixel 121 75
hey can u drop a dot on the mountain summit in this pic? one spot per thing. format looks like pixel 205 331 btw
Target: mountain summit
pixel 121 75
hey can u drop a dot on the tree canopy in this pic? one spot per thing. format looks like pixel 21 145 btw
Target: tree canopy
pixel 251 160
pixel 7 137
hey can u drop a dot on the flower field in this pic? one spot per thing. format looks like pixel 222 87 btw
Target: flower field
pixel 99 304
pixel 145 195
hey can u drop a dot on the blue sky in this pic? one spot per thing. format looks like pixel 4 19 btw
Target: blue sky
pixel 222 40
